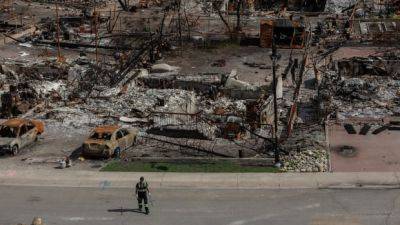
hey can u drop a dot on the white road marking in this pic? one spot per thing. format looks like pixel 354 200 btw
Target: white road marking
pixel 316 205
pixel 77 218
pixel 254 219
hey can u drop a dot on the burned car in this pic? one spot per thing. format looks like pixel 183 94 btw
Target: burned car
pixel 18 133
pixel 109 141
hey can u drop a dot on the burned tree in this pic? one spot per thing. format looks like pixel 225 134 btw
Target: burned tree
pixel 218 6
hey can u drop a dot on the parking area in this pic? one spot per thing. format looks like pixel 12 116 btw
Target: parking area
pixel 53 145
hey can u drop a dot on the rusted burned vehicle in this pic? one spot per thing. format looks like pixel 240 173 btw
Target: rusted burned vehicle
pixel 18 133
pixel 109 141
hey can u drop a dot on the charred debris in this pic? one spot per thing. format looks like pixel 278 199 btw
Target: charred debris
pixel 103 62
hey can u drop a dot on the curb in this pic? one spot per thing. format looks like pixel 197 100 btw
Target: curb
pixel 90 179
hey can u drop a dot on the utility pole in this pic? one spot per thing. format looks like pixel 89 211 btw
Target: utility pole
pixel 180 24
pixel 274 58
pixel 96 32
pixel 59 56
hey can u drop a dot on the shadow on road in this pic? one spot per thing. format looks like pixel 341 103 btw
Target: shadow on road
pixel 122 210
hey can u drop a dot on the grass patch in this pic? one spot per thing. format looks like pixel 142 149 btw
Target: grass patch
pixel 224 166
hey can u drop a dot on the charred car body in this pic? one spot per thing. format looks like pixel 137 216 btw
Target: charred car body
pixel 109 141
pixel 18 133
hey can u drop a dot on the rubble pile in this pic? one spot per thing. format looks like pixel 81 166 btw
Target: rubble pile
pixel 365 95
pixel 85 68
pixel 82 95
pixel 367 88
pixel 142 102
pixel 306 151
pixel 72 117
pixel 338 6
pixel 315 160
pixel 368 97
pixel 223 105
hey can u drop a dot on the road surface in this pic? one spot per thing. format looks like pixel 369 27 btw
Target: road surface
pixel 104 205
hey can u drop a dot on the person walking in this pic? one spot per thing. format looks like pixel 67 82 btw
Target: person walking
pixel 142 194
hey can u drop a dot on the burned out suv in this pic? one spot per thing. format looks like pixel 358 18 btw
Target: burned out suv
pixel 18 133
pixel 109 141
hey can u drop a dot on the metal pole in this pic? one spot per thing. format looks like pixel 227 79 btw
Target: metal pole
pixel 274 58
pixel 97 33
pixel 180 24
pixel 59 57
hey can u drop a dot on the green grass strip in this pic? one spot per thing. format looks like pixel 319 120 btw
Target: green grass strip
pixel 218 167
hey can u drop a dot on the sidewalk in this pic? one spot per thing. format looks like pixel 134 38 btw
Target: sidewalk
pixel 66 178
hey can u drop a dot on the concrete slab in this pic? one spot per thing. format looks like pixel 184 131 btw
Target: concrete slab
pixel 374 153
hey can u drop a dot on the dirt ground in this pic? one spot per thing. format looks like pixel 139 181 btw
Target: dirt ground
pixel 54 144
pixel 194 60
pixel 349 52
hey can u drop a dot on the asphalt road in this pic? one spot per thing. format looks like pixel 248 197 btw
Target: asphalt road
pixel 183 207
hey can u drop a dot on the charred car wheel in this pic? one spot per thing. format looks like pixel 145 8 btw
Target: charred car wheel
pixel 107 155
pixel 14 150
pixel 117 153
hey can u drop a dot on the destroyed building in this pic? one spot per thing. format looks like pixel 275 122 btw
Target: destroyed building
pixel 291 33
pixel 199 80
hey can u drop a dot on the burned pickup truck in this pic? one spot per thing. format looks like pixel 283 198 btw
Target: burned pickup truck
pixel 18 133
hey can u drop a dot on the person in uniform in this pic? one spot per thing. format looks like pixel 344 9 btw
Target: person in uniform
pixel 142 193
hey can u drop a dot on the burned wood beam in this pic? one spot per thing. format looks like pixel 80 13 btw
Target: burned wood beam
pixel 364 130
pixel 123 5
pixel 349 128
pixel 6 35
pixel 80 45
pixel 380 129
pixel 134 34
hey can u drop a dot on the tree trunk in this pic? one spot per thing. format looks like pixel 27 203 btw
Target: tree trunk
pixel 217 7
pixel 238 8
